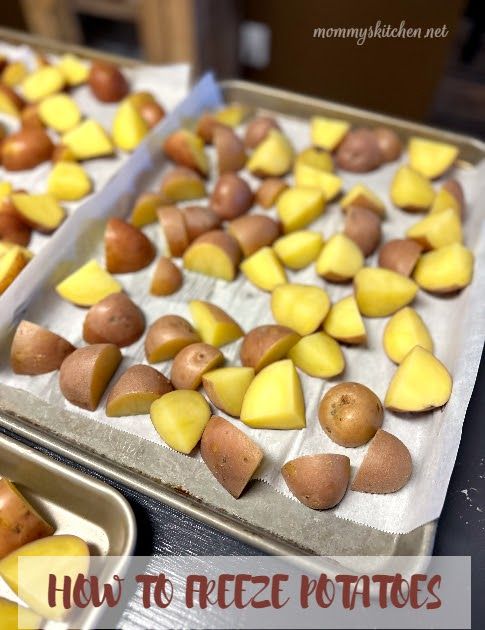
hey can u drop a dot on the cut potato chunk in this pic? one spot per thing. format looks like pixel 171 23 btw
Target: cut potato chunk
pixel 420 383
pixel 14 73
pixel 274 399
pixel 167 277
pixel 328 133
pixel 88 285
pixel 226 387
pixel 88 140
pixel 167 336
pixel 344 322
pixel 192 362
pixel 182 184
pixel 445 200
pixel 186 148
pixel 233 115
pixel 298 206
pixel 263 269
pixel 400 255
pixel 437 230
pixel 42 83
pixel 445 270
pixel 129 127
pixel 411 191
pixel 36 350
pixel 272 157
pixel 215 254
pixel 318 355
pixel 14 616
pixel 253 232
pixel 269 191
pixel 403 332
pixel 126 248
pixel 265 344
pixel 360 195
pixel 316 158
pixel 213 324
pixel 307 176
pixel 11 264
pixel 145 209
pixel 230 152
pixel 60 112
pixel 114 319
pixel 135 390
pixel 74 70
pixel 180 418
pixel 42 212
pixel 174 228
pixel 431 158
pixel 300 307
pixel 381 292
pixel 68 181
pixel 298 249
pixel 340 259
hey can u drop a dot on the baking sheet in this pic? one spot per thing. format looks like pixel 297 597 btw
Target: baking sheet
pixel 432 438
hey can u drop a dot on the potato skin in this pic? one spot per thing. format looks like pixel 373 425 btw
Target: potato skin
pixel 269 191
pixel 107 82
pixel 115 319
pixel 152 113
pixel 191 363
pixel 363 226
pixel 12 228
pixel 318 481
pixel 167 329
pixel 174 228
pixel 350 414
pixel 454 187
pixel 26 148
pixel 231 197
pixel 389 143
pixel 127 249
pixel 199 220
pixel 138 378
pixel 400 255
pixel 36 350
pixel 167 277
pixel 231 456
pixel 359 152
pixel 224 241
pixel 258 129
pixel 206 125
pixel 231 156
pixel 253 232
pixel 260 340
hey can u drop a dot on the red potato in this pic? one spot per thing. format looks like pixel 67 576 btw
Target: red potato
pixel 230 455
pixel 231 156
pixel 253 232
pixel 258 129
pixel 400 255
pixel 206 125
pixel 363 226
pixel 25 149
pixel 107 82
pixel 12 102
pixel 12 228
pixel 359 152
pixel 152 113
pixel 269 191
pixel 115 319
pixel 167 336
pixel 126 248
pixel 187 149
pixel 174 228
pixel 167 277
pixel 199 220
pixel 182 184
pixel 455 188
pixel 192 362
pixel 231 197
pixel 36 350
pixel 20 523
pixel 135 390
pixel 389 143
pixel 266 344
pixel 216 254
pixel 29 116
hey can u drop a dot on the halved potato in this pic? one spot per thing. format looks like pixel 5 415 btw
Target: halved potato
pixel 318 355
pixel 328 133
pixel 431 158
pixel 253 232
pixel 36 350
pixel 11 264
pixel 174 228
pixel 192 362
pixel 307 176
pixel 344 322
pixel 167 336
pixel 213 324
pixel 381 292
pixel 88 285
pixel 68 181
pixel 298 249
pixel 265 344
pixel 263 269
pixel 60 112
pixel 182 184
pixel 411 191
pixel 145 209
pixel 126 248
pixel 272 157
pixel 298 206
pixel 167 277
pixel 400 255
pixel 362 196
pixel 186 148
pixel 437 230
pixel 226 386
pixel 135 390
pixel 114 319
pixel 445 270
pixel 88 140
pixel 340 259
pixel 403 331
pixel 299 306
pixel 215 254
pixel 42 212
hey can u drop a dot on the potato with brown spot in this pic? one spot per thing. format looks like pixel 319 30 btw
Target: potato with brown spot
pixel 363 226
pixel 135 390
pixel 231 197
pixel 115 319
pixel 266 344
pixel 36 350
pixel 258 129
pixel 107 82
pixel 350 414
pixel 192 362
pixel 199 220
pixel 167 277
pixel 231 156
pixel 126 248
pixel 359 152
pixel 269 191
pixel 389 143
pixel 400 255
pixel 167 336
pixel 253 232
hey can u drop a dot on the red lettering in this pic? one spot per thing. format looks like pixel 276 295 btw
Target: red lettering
pixel 365 593
pixel 202 586
pixel 384 581
pixel 347 581
pixel 415 590
pixel 398 598
pixel 264 603
pixel 276 590
pixel 222 590
pixel 65 590
pixel 435 582
pixel 240 590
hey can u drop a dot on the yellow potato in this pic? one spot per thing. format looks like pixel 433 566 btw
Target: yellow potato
pixel 213 324
pixel 88 140
pixel 317 158
pixel 264 269
pixel 444 200
pixel 167 336
pixel 180 418
pixel 328 133
pixel 226 387
pixel 232 115
pixel 431 158
pixel 307 176
pixel 445 270
pixel 42 212
pixel 265 344
pixel 129 128
pixel 274 399
pixel 344 322
pixel 420 383
pixel 60 112
pixel 298 249
pixel 411 191
pixel 381 292
pixel 41 83
pixel 11 264
pixel 68 181
pixel 360 195
pixel 297 207
pixel 300 307
pixel 318 355
pixel 74 70
pixel 437 229
pixel 187 149
pixel 88 285
pixel 215 254
pixel 14 73
pixel 403 331
pixel 135 390
pixel 273 156
pixel 182 184
pixel 145 209
pixel 340 259
pixel 14 616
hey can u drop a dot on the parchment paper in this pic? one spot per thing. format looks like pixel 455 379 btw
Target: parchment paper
pixel 457 325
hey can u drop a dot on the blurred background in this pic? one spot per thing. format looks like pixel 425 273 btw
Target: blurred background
pixel 439 80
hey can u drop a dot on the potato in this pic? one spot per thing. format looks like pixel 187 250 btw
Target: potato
pixel 266 344
pixel 41 212
pixel 231 197
pixel 318 481
pixel 68 181
pixel 167 336
pixel 400 254
pixel 29 117
pixel 344 322
pixel 389 143
pixel 182 184
pixel 226 387
pixel 167 277
pixel 317 158
pixel 206 126
pixel 444 200
pixel 63 556
pixel 363 226
pixel 274 399
pixel 152 113
pixel 14 73
pixel 386 467
pixel 411 191
pixel 135 390
pixel 114 319
pixel 437 230
pixel 299 307
pixel 74 70
pixel 258 129
pixel 192 362
pixel 86 372
pixel 180 418
pixel 230 152
pixel 269 191
pixel 420 383
pixel 298 206
pixel 186 149
pixel 233 115
pixel 340 259
pixel 25 149
pixel 129 128
pixel 199 220
pixel 359 151
pixel 10 102
pixel 12 228
pixel 350 414
pixel 174 229
pixel 60 112
pixel 41 83
pixel 445 270
pixel 318 355
pixel 403 331
pixel 107 82
pixel 126 248
pixel 272 157
pixel 454 187
pixel 298 249
pixel 230 455
pixel 309 177
pixel 214 325
pixel 381 292
pixel 36 350
pixel 215 254
pixel 145 209
pixel 263 269
pixel 431 158
pixel 11 264
pixel 7 246
pixel 88 285
pixel 88 140
pixel 253 232
pixel 62 153
pixel 20 522
pixel 15 616
pixel 328 133
pixel 363 197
